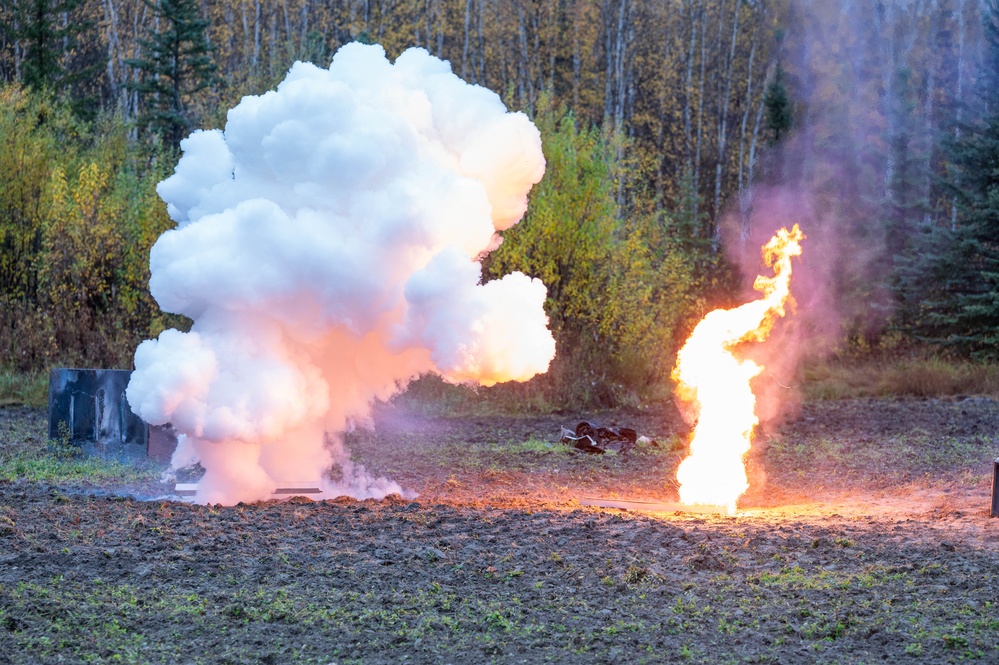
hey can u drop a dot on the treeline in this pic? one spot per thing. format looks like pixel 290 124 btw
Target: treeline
pixel 684 80
pixel 689 111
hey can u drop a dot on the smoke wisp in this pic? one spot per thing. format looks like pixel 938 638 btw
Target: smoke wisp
pixel 326 249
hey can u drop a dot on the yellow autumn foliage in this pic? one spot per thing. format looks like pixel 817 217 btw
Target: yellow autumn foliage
pixel 78 214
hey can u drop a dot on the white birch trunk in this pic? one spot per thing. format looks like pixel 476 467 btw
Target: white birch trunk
pixel 723 116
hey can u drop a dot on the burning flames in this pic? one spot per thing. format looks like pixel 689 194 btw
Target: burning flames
pixel 716 383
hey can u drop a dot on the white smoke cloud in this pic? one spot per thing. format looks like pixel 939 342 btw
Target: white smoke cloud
pixel 326 248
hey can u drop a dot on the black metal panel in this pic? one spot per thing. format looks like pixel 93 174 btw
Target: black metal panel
pixel 89 407
pixel 995 488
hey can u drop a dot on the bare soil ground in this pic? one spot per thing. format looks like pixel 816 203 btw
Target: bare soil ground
pixel 865 538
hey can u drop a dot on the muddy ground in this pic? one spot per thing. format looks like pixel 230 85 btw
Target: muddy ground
pixel 865 538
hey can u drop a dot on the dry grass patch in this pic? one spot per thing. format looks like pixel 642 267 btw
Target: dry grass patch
pixel 913 377
pixel 27 388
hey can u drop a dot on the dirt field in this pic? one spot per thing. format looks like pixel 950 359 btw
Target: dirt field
pixel 865 539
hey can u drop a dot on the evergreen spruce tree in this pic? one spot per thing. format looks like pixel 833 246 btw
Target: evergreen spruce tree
pixel 47 29
pixel 959 278
pixel 779 111
pixel 176 64
pixel 905 202
pixel 905 206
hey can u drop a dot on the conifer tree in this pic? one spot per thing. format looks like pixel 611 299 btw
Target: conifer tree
pixel 48 30
pixel 905 202
pixel 904 208
pixel 957 280
pixel 780 116
pixel 176 64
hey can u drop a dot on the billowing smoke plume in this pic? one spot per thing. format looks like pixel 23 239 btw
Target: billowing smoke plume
pixel 326 248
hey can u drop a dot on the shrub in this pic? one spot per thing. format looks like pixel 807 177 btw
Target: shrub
pixel 78 214
pixel 617 285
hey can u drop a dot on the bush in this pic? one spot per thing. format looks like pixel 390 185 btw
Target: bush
pixel 78 214
pixel 618 286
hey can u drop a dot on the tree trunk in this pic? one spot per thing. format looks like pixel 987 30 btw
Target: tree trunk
pixel 687 88
pixel 745 111
pixel 256 36
pixel 961 30
pixel 464 48
pixel 700 116
pixel 723 115
pixel 304 31
pixel 115 67
pixel 609 60
pixel 524 86
pixel 752 164
pixel 576 60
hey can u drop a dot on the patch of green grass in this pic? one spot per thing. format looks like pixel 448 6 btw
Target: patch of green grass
pixel 796 578
pixel 913 455
pixel 532 445
pixel 28 388
pixel 51 469
pixel 60 462
pixel 116 620
pixel 26 455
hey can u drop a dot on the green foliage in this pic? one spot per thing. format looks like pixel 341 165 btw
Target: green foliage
pixel 905 202
pixel 176 65
pixel 616 288
pixel 691 230
pixel 78 214
pixel 30 131
pixel 47 30
pixel 905 207
pixel 951 286
pixel 25 455
pixel 779 109
pixel 60 465
pixel 570 224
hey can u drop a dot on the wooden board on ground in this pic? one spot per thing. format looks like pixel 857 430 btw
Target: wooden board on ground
pixel 654 506
pixel 290 489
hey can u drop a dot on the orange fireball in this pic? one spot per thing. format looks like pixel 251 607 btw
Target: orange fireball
pixel 716 383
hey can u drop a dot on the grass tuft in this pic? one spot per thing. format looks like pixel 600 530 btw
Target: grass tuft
pixel 54 470
pixel 27 388
pixel 23 456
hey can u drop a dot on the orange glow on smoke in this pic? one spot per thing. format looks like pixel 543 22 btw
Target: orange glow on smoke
pixel 716 383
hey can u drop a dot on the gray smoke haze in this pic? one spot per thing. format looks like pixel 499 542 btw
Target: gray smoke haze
pixel 876 86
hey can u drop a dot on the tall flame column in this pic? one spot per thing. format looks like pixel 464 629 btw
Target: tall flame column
pixel 717 383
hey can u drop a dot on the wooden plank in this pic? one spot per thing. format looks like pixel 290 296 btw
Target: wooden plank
pixel 654 506
pixel 290 489
pixel 304 489
pixel 995 489
pixel 185 489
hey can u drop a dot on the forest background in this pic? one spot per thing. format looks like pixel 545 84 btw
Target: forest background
pixel 678 134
